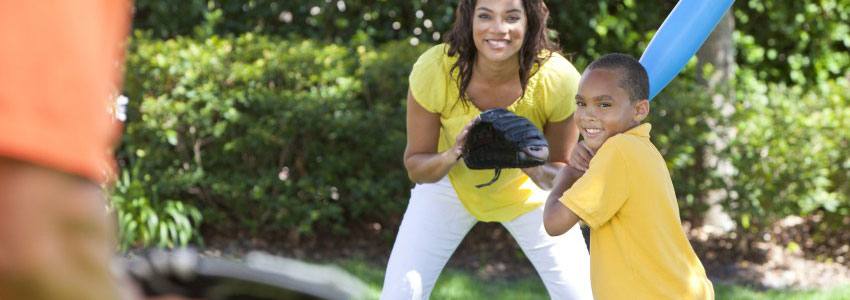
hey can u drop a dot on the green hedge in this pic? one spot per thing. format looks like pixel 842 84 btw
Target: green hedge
pixel 266 134
pixel 791 151
pixel 261 133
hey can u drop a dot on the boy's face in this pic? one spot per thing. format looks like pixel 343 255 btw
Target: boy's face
pixel 603 108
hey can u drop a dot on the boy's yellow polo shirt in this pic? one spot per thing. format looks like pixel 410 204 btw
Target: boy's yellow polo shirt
pixel 549 97
pixel 638 249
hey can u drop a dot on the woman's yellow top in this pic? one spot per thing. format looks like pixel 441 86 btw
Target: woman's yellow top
pixel 549 97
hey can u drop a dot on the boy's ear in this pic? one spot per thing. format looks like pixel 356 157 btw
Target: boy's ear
pixel 641 110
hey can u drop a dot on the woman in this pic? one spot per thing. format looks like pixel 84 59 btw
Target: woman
pixel 497 54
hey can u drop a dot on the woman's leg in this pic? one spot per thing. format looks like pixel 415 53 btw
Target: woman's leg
pixel 433 226
pixel 562 261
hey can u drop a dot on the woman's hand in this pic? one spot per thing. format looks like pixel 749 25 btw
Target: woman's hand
pixel 544 175
pixel 562 137
pixel 421 159
pixel 581 156
pixel 460 140
pixel 533 172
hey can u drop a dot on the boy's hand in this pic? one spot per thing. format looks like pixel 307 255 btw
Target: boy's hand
pixel 580 157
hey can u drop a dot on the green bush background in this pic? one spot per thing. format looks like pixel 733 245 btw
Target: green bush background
pixel 240 120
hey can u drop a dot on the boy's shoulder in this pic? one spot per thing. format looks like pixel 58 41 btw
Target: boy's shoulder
pixel 637 135
pixel 629 145
pixel 617 143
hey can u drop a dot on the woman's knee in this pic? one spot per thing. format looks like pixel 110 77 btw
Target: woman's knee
pixel 406 285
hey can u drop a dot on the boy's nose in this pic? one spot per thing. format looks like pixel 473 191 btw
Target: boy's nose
pixel 587 114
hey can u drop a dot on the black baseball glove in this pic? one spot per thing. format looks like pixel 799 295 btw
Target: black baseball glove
pixel 501 139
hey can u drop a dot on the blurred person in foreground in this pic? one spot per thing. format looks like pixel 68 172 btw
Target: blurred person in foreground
pixel 60 70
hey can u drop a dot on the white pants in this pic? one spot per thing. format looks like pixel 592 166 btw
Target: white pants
pixel 436 222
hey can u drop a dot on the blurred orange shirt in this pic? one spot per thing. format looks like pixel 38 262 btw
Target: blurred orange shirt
pixel 60 71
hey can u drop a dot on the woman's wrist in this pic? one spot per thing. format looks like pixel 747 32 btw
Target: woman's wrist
pixel 533 172
pixel 452 156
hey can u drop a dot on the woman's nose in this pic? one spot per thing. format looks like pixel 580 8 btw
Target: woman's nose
pixel 500 26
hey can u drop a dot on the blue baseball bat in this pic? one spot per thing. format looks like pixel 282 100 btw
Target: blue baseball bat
pixel 678 38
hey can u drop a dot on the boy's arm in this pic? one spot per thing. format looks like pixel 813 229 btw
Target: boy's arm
pixel 557 218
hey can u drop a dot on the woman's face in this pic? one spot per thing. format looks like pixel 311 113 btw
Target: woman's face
pixel 498 28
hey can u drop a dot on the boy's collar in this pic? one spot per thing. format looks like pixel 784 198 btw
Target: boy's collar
pixel 641 130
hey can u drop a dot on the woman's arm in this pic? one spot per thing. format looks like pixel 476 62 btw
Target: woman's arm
pixel 562 137
pixel 421 159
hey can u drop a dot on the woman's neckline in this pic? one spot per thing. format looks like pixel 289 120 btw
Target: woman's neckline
pixel 489 84
pixel 499 72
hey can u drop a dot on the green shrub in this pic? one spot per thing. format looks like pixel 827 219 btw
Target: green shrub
pixel 265 134
pixel 788 148
pixel 144 219
pixel 790 151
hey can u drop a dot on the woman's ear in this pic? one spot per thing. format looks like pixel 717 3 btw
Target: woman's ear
pixel 641 109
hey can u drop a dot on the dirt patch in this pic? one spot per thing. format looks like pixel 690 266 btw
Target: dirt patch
pixel 790 255
pixel 794 253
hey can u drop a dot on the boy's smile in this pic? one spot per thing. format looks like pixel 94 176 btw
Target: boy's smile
pixel 603 108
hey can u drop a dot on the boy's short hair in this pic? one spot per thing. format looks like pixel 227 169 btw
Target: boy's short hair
pixel 633 77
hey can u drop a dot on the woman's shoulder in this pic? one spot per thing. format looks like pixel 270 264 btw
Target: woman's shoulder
pixel 555 87
pixel 428 81
pixel 433 62
pixel 558 65
pixel 436 54
pixel 558 75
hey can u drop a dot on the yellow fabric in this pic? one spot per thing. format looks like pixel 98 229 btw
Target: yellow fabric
pixel 638 249
pixel 549 97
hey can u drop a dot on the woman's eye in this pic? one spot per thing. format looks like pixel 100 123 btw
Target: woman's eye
pixel 483 16
pixel 513 19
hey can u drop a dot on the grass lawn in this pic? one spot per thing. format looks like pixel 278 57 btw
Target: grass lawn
pixel 455 284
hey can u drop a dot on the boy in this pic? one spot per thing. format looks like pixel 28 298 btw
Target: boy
pixel 638 249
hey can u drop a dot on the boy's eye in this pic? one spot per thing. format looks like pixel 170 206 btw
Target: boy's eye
pixel 579 103
pixel 604 104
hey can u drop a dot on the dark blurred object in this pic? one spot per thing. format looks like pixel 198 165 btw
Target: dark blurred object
pixel 585 232
pixel 185 273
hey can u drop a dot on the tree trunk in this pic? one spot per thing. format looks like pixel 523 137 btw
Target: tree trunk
pixel 716 71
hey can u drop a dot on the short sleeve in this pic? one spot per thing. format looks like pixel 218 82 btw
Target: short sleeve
pixel 599 194
pixel 429 79
pixel 561 84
